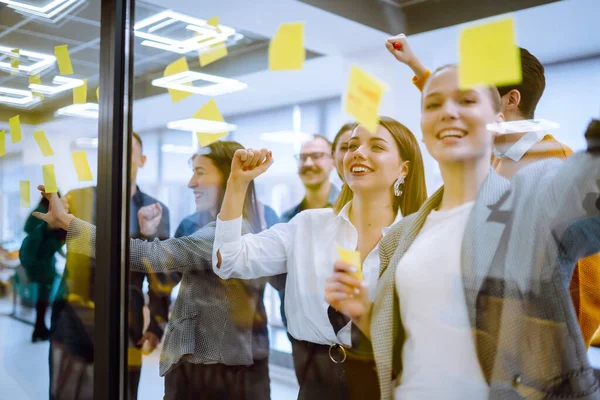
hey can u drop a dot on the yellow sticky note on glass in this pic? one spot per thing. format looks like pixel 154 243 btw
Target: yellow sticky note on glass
pixel 2 143
pixel 36 80
pixel 176 67
pixel 63 59
pixel 209 111
pixel 43 143
pixel 286 49
pixel 14 61
pixel 488 55
pixel 15 129
pixel 49 178
pixel 82 166
pixel 25 189
pixel 98 94
pixel 351 257
pixel 214 22
pixel 207 138
pixel 363 97
pixel 80 93
pixel 214 53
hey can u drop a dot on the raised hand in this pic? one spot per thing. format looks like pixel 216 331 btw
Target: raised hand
pixel 346 293
pixel 399 47
pixel 149 218
pixel 247 164
pixel 149 342
pixel 57 216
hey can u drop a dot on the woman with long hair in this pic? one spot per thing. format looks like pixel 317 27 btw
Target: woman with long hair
pixel 473 300
pixel 209 348
pixel 384 180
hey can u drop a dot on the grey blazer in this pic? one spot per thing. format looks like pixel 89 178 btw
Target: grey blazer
pixel 212 318
pixel 516 272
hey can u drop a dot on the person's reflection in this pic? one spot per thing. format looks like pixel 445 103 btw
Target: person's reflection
pixel 72 320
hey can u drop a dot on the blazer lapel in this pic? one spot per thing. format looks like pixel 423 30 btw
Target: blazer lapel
pixel 483 234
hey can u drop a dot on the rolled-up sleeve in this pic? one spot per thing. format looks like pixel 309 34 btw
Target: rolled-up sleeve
pixel 252 255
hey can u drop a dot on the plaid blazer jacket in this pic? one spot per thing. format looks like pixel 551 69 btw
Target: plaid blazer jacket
pixel 519 249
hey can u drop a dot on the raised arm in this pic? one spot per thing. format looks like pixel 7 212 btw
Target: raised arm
pixel 253 255
pixel 399 47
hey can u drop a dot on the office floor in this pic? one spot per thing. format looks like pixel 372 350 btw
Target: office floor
pixel 24 367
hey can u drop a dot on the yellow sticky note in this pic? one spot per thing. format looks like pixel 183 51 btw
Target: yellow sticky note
pixel 176 67
pixel 25 189
pixel 14 61
pixel 207 138
pixel 2 143
pixel 350 257
pixel 98 94
pixel 488 55
pixel 82 166
pixel 363 97
pixel 15 129
pixel 214 53
pixel 80 93
pixel 214 22
pixel 209 111
pixel 43 143
pixel 49 178
pixel 63 59
pixel 286 49
pixel 36 80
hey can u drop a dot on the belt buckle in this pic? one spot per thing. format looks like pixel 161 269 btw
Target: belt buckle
pixel 343 351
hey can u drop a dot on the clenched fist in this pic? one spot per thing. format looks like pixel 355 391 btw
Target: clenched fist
pixel 149 218
pixel 247 164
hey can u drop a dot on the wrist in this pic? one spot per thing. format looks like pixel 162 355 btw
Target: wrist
pixel 417 66
pixel 65 221
pixel 238 184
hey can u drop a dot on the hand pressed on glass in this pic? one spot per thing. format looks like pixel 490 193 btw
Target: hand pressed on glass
pixel 58 216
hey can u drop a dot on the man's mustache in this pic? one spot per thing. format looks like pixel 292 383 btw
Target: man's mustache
pixel 309 169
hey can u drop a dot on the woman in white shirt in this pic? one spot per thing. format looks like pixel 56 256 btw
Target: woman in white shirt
pixel 473 298
pixel 384 180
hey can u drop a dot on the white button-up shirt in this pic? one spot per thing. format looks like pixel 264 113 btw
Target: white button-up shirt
pixel 305 249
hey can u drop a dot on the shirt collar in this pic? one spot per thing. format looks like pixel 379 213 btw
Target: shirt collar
pixel 138 197
pixel 345 215
pixel 521 146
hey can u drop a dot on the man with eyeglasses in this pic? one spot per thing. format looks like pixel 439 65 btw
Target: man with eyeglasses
pixel 315 163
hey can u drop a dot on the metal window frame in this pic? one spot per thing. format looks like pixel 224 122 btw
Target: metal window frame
pixel 113 192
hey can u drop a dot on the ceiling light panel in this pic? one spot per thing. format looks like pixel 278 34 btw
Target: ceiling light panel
pixel 49 10
pixel 184 81
pixel 30 62
pixel 201 125
pixel 18 98
pixel 159 31
pixel 62 84
pixel 88 110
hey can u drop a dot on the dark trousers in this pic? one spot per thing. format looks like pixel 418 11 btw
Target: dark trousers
pixel 321 378
pixel 218 381
pixel 133 382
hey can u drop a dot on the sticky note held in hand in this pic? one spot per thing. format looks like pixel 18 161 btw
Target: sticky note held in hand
pixel 15 129
pixel 43 143
pixel 351 257
pixel 488 55
pixel 63 59
pixel 80 93
pixel 25 191
pixel 363 97
pixel 176 67
pixel 286 49
pixel 49 178
pixel 82 166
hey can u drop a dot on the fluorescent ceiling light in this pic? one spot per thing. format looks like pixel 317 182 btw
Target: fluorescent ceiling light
pixel 173 148
pixel 88 110
pixel 528 125
pixel 48 11
pixel 18 98
pixel 182 80
pixel 201 125
pixel 87 142
pixel 42 61
pixel 206 35
pixel 63 83
pixel 287 137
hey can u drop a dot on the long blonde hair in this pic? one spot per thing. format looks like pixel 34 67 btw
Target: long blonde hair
pixel 415 189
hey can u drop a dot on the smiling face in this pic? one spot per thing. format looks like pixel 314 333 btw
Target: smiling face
pixel 315 163
pixel 373 163
pixel 206 183
pixel 453 121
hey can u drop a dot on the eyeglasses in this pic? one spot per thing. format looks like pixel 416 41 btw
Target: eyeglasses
pixel 313 156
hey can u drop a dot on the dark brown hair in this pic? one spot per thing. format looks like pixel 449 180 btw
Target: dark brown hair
pixel 415 189
pixel 346 127
pixel 221 154
pixel 531 87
